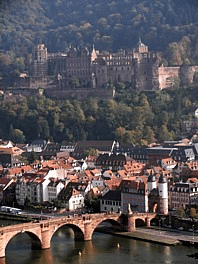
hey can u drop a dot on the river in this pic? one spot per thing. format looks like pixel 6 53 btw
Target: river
pixel 103 249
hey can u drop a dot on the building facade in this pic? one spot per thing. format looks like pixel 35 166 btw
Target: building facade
pixel 94 70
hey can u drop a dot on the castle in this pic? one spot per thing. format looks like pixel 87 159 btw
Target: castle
pixel 81 72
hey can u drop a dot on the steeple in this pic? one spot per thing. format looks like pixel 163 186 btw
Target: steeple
pixel 93 54
pixel 141 47
pixel 162 178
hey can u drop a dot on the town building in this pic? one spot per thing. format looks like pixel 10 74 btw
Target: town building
pixel 111 202
pixel 184 194
pixel 134 193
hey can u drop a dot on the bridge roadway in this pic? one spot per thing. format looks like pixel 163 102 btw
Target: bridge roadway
pixel 82 225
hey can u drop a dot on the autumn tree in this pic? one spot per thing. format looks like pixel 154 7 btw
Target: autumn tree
pixel 180 212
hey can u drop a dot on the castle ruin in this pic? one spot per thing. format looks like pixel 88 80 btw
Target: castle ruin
pixel 81 73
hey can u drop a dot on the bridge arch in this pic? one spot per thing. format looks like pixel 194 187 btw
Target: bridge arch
pixel 78 233
pixel 100 223
pixel 140 222
pixel 35 240
pixel 154 221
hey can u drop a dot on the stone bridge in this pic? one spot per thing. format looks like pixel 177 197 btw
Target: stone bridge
pixel 82 225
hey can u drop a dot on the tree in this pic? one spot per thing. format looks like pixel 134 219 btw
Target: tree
pixel 91 152
pixel 16 135
pixel 92 202
pixel 180 212
pixel 33 157
pixel 193 213
pixel 74 82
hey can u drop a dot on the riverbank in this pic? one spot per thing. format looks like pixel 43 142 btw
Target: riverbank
pixel 164 237
pixel 20 218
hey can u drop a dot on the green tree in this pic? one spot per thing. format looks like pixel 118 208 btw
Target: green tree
pixel 92 202
pixel 180 212
pixel 32 157
pixel 74 82
pixel 91 152
pixel 17 136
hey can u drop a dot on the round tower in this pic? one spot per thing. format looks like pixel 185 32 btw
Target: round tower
pixel 151 182
pixel 163 194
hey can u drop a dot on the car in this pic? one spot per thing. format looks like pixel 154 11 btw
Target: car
pixel 190 230
pixel 180 228
pixel 196 230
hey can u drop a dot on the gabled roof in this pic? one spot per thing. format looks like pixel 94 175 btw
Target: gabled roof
pixel 112 196
pixel 66 193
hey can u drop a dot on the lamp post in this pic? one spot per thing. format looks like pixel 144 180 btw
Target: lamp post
pixel 193 231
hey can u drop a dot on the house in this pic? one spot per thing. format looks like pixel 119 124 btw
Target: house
pixel 95 177
pixel 112 162
pixel 34 186
pixel 91 162
pixel 79 165
pixel 71 198
pixel 111 202
pixel 68 146
pixel 37 145
pixel 9 157
pixel 6 144
pixel 185 194
pixel 168 164
pixel 102 147
pixel 134 193
pixel 54 187
pixel 134 168
pixel 108 174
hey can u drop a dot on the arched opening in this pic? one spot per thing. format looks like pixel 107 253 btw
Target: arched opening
pixel 23 245
pixel 66 243
pixel 139 222
pixel 69 231
pixel 154 222
pixel 108 226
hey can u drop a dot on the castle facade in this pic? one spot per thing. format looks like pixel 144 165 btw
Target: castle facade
pixel 82 71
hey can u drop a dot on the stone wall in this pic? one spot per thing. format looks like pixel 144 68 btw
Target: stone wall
pixel 167 76
pixel 80 93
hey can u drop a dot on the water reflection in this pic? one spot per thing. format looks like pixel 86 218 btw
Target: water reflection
pixel 102 249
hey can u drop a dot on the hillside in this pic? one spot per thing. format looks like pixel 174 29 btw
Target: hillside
pixel 109 25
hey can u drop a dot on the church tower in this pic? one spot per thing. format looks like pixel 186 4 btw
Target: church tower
pixel 163 194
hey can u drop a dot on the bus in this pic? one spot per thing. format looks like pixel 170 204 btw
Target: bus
pixel 12 210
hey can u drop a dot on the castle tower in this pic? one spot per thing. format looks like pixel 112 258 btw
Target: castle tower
pixel 141 47
pixel 151 182
pixel 93 54
pixel 39 63
pixel 163 194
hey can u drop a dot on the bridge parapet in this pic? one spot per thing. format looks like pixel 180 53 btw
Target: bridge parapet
pixel 83 226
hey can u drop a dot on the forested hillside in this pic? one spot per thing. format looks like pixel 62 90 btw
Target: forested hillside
pixel 138 118
pixel 108 24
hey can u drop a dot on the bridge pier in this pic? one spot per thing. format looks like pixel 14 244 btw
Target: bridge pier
pixel 87 231
pixel 148 222
pixel 2 245
pixel 131 223
pixel 45 236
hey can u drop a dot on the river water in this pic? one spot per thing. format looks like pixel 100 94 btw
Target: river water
pixel 103 249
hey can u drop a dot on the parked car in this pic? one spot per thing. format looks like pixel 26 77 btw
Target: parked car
pixel 190 230
pixel 180 228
